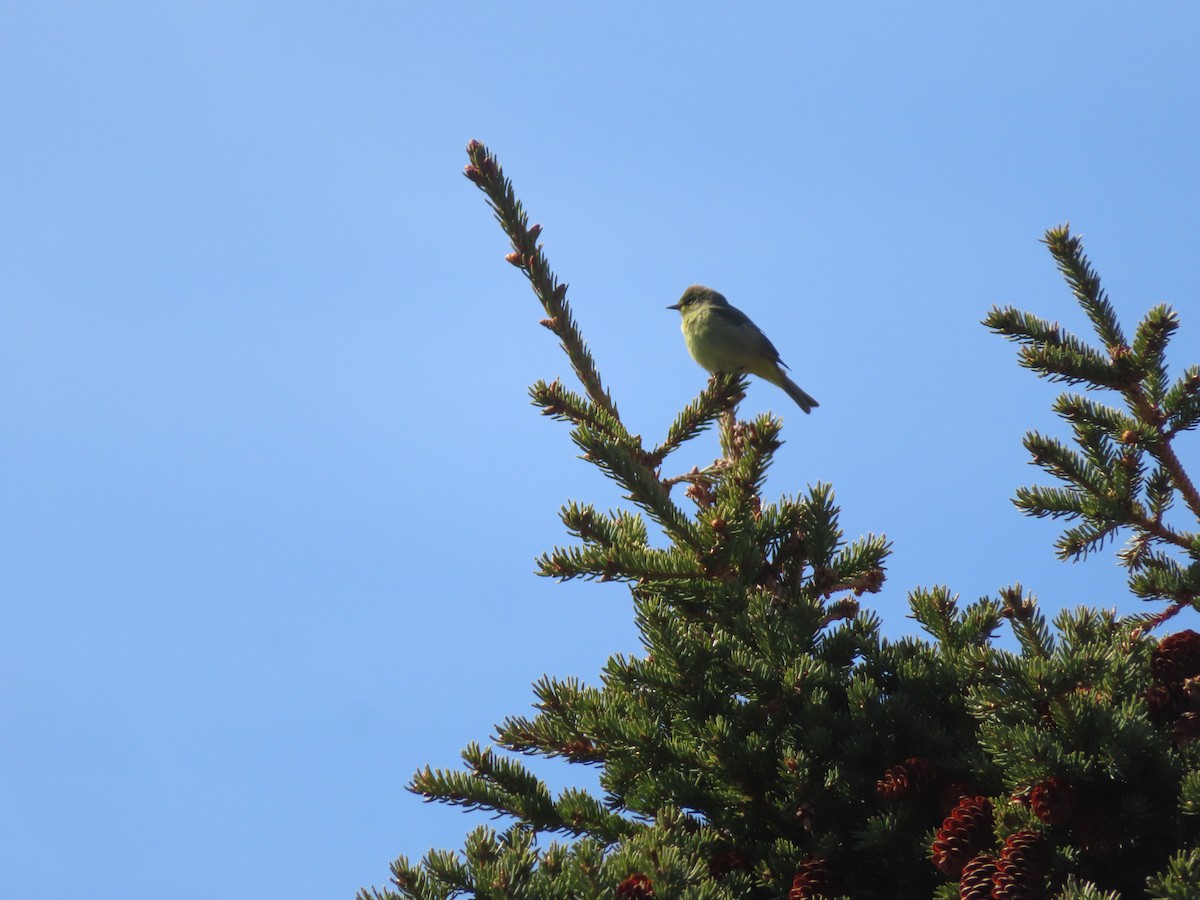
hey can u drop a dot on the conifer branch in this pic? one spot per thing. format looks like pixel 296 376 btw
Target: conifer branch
pixel 1052 352
pixel 615 564
pixel 567 406
pixel 505 787
pixel 1104 420
pixel 629 468
pixel 1108 485
pixel 1086 475
pixel 615 529
pixel 485 172
pixel 1163 451
pixel 1149 348
pixel 1085 284
pixel 1028 623
pixel 1156 620
pixel 1181 403
pixel 722 393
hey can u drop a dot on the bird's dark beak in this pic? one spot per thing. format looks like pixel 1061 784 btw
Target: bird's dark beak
pixel 673 306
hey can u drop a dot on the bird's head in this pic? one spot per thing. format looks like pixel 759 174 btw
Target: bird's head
pixel 698 296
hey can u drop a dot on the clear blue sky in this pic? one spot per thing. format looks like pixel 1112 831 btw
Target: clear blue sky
pixel 271 487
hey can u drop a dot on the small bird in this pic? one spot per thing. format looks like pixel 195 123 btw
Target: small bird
pixel 723 339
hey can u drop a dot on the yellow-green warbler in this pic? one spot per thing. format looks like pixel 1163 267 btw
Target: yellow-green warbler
pixel 723 339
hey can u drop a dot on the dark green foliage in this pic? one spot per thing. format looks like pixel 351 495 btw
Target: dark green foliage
pixel 769 742
pixel 1180 881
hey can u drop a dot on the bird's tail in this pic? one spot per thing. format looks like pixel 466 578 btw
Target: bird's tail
pixel 803 400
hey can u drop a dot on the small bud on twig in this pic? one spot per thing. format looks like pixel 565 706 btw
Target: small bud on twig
pixel 534 231
pixel 472 173
pixel 516 259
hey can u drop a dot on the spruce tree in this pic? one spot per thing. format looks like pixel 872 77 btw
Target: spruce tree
pixel 769 742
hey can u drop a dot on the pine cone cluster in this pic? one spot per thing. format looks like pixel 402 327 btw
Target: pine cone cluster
pixel 966 833
pixel 1174 696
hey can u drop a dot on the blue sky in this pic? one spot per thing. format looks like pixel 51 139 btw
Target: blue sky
pixel 271 485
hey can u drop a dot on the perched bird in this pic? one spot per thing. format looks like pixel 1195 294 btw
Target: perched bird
pixel 723 339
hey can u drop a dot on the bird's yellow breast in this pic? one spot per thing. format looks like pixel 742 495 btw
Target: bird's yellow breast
pixel 717 344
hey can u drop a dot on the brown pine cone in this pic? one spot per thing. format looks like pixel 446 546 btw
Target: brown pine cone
pixel 1055 801
pixel 1186 729
pixel 814 878
pixel 1177 657
pixel 910 780
pixel 1162 701
pixel 724 861
pixel 1096 833
pixel 976 883
pixel 966 832
pixel 953 793
pixel 636 887
pixel 1022 867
